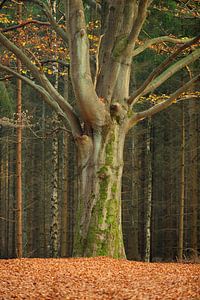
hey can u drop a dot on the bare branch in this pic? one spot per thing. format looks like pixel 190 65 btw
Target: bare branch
pixel 94 4
pixel 171 71
pixel 6 77
pixel 70 116
pixel 23 58
pixel 25 23
pixel 38 88
pixel 62 33
pixel 161 39
pixel 164 104
pixel 45 83
pixel 144 87
pixel 61 62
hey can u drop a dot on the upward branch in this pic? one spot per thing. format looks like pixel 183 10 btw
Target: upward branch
pixel 164 104
pixel 147 86
pixel 91 109
pixel 158 40
pixel 137 25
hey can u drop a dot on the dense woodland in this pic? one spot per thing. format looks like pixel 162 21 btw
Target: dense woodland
pixel 161 175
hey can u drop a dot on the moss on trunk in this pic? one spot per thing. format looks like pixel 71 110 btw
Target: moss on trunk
pixel 98 226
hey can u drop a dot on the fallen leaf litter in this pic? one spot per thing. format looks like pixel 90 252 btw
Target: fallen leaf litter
pixel 97 278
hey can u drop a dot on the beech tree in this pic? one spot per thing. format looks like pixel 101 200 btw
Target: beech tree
pixel 105 108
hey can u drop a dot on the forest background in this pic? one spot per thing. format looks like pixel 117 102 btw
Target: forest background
pixel 160 189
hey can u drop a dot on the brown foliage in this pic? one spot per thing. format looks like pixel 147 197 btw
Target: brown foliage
pixel 97 278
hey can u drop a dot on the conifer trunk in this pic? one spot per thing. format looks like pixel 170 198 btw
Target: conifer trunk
pixel 19 155
pixel 182 191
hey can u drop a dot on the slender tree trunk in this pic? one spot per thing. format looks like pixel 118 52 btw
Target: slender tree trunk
pixel 169 186
pixel 43 213
pixel 193 142
pixel 134 198
pixel 54 230
pixel 182 189
pixel 64 210
pixel 19 157
pixel 149 195
pixel 65 200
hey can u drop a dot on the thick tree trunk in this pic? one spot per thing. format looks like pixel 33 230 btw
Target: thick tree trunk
pixel 98 225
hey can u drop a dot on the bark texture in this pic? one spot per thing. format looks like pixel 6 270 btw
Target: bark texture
pixel 98 223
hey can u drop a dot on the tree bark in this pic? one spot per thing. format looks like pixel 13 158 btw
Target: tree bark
pixel 54 229
pixel 19 156
pixel 182 189
pixel 193 174
pixel 149 194
pixel 98 224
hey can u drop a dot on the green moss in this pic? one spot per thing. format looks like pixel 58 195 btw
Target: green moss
pixel 104 236
pixel 110 150
pixel 114 188
pixel 120 45
pixel 102 171
pixel 130 113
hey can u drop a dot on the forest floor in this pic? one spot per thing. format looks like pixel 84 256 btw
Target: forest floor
pixel 97 278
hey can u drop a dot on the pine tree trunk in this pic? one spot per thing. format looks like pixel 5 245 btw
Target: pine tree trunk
pixel 19 156
pixel 64 211
pixel 98 224
pixel 193 143
pixel 182 191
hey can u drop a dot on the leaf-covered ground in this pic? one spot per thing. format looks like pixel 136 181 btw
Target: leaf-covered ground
pixel 97 278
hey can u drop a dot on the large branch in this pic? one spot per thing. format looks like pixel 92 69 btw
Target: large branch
pixel 164 104
pixel 42 79
pixel 158 40
pixel 108 62
pixel 171 71
pixel 70 117
pixel 38 88
pixel 142 90
pixel 19 54
pixel 137 25
pixel 91 109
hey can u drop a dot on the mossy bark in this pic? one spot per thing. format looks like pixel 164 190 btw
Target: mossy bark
pixel 98 225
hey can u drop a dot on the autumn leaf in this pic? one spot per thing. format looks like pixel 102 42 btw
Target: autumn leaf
pixel 97 278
